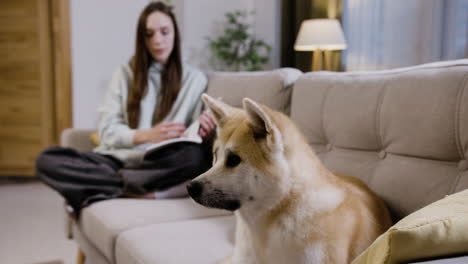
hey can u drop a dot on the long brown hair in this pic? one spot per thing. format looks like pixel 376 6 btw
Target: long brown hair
pixel 171 74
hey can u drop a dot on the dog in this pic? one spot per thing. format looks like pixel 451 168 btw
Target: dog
pixel 289 208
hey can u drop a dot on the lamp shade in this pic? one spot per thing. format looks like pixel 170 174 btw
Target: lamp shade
pixel 325 34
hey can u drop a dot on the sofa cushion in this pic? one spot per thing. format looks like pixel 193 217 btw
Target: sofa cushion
pixel 203 241
pixel 272 88
pixel 437 230
pixel 103 221
pixel 403 131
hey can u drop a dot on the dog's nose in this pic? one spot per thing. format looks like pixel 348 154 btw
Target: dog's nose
pixel 195 189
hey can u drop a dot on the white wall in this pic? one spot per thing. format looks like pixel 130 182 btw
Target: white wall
pixel 102 38
pixel 103 35
pixel 268 27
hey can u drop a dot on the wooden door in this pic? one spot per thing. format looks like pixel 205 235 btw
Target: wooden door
pixel 32 54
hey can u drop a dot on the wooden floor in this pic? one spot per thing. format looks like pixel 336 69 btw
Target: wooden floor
pixel 32 225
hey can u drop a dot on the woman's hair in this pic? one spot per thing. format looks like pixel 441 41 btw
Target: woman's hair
pixel 171 74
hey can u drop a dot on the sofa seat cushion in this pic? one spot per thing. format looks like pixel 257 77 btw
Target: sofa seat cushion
pixel 203 241
pixel 436 230
pixel 103 221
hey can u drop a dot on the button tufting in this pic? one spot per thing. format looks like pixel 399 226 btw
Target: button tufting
pixel 382 154
pixel 463 165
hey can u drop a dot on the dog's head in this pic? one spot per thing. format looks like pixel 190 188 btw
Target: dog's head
pixel 248 158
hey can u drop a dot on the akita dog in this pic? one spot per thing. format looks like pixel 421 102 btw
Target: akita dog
pixel 289 208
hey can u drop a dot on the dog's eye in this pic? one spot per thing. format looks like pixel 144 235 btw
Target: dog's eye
pixel 232 160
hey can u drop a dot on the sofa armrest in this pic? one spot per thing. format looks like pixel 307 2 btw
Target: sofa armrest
pixel 79 139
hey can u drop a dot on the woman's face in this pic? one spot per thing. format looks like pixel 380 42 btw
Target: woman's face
pixel 160 36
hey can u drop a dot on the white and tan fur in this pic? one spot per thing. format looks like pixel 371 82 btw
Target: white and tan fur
pixel 289 208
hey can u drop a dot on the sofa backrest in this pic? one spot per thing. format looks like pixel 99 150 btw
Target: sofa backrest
pixel 272 88
pixel 404 132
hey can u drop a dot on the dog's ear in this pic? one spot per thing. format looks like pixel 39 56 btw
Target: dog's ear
pixel 219 109
pixel 262 124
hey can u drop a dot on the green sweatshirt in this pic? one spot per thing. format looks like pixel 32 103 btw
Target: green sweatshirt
pixel 116 137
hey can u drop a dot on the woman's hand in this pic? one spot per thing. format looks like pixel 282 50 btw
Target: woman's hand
pixel 207 124
pixel 160 132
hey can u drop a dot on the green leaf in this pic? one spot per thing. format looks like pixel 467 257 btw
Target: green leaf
pixel 237 48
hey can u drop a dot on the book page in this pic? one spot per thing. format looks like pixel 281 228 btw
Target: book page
pixel 192 130
pixel 190 135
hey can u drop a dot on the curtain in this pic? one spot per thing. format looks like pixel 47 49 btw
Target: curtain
pixel 383 34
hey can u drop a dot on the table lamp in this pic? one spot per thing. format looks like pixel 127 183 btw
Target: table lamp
pixel 319 35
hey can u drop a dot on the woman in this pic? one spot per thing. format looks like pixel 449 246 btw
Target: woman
pixel 150 100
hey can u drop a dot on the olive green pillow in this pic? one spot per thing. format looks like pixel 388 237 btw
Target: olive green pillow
pixel 437 230
pixel 94 138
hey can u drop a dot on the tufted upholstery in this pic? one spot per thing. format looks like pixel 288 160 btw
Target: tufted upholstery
pixel 404 132
pixel 272 88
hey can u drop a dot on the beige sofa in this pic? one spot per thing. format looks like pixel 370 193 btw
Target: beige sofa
pixel 404 132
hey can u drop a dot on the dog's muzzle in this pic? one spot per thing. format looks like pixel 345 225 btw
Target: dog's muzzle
pixel 212 198
pixel 195 189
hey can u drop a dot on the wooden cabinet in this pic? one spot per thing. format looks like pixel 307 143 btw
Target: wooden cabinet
pixel 34 80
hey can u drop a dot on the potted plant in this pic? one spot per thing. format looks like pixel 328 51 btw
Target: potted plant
pixel 237 48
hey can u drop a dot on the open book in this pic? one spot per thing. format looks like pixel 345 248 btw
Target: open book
pixel 190 135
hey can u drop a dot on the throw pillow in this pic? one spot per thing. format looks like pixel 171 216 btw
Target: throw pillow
pixel 437 230
pixel 95 138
